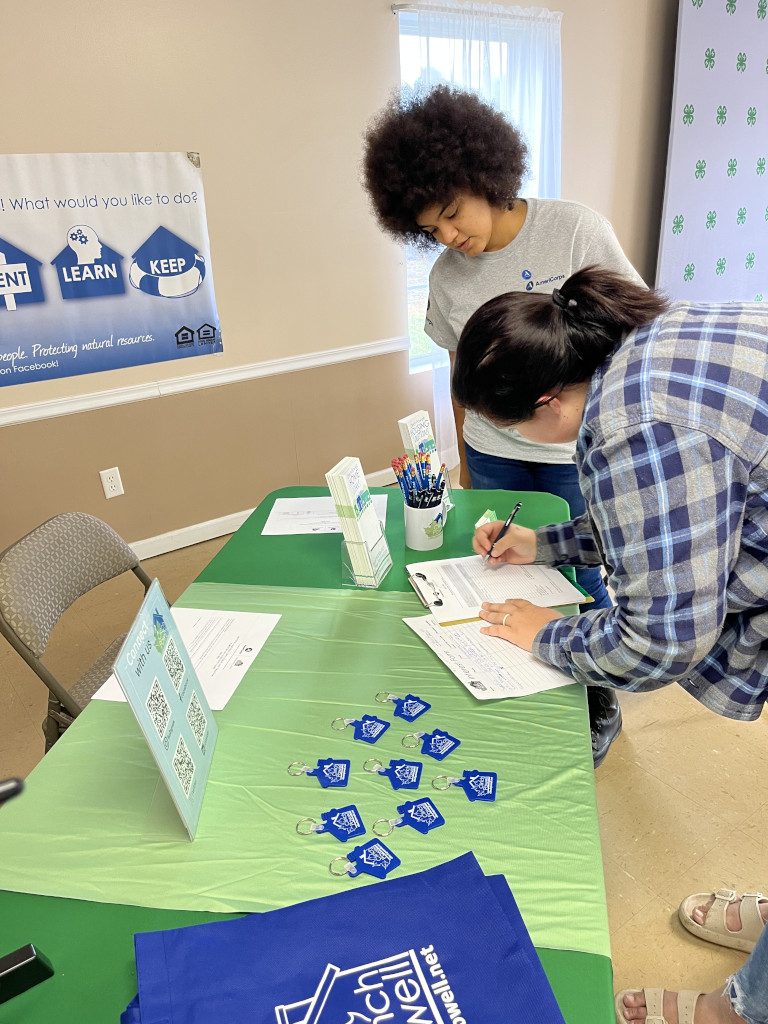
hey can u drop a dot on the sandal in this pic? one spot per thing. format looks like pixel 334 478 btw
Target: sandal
pixel 654 1002
pixel 715 928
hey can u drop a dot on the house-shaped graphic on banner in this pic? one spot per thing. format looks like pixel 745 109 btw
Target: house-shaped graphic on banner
pixel 185 336
pixel 206 334
pixel 167 266
pixel 87 268
pixel 19 277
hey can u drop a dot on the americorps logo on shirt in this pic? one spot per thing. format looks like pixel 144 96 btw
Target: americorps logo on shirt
pixel 531 283
pixel 395 990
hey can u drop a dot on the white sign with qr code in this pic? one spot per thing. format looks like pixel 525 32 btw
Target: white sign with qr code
pixel 156 675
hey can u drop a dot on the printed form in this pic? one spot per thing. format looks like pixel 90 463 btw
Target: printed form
pixel 221 645
pixel 454 588
pixel 312 515
pixel 488 666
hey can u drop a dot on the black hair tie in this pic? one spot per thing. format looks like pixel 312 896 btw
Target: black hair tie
pixel 560 300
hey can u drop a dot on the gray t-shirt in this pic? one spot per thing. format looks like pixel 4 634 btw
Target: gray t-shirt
pixel 557 238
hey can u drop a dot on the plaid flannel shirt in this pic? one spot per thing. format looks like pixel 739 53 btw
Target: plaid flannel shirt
pixel 673 464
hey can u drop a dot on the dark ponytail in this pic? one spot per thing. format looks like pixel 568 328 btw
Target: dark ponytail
pixel 522 345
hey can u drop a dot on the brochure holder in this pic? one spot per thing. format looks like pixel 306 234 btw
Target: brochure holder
pixel 364 566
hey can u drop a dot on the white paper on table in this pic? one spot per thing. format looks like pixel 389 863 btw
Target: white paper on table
pixel 488 666
pixel 463 584
pixel 312 515
pixel 221 645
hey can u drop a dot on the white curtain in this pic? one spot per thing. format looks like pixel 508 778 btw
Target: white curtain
pixel 511 57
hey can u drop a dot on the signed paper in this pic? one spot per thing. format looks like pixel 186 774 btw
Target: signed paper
pixel 456 587
pixel 488 666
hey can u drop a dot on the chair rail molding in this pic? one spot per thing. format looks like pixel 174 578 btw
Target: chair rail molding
pixel 193 382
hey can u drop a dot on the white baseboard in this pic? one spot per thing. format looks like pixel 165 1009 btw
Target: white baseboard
pixel 381 478
pixel 174 540
pixel 187 535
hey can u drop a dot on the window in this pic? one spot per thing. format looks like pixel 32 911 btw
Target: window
pixel 511 57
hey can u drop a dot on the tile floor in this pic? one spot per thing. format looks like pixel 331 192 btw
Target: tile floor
pixel 682 796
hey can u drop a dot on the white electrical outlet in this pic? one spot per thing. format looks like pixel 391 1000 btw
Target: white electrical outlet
pixel 111 482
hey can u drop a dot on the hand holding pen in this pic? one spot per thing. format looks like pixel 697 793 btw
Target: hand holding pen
pixel 522 550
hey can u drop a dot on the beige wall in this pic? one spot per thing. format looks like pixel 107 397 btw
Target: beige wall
pixel 274 96
pixel 618 69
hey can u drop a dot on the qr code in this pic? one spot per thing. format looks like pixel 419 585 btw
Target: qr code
pixel 158 707
pixel 198 723
pixel 174 664
pixel 184 766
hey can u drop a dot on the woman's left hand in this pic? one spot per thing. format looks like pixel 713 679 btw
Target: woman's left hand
pixel 516 621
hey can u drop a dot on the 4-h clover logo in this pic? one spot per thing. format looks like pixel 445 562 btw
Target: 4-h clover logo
pixel 741 216
pixel 701 168
pixel 688 111
pixel 732 165
pixel 741 62
pixel 690 269
pixel 759 298
pixel 722 113
pixel 730 6
pixel 677 224
pixel 761 6
pixel 697 3
pixel 752 114
pixel 709 58
pixel 766 213
pixel 749 262
pixel 760 165
pixel 720 266
pixel 711 219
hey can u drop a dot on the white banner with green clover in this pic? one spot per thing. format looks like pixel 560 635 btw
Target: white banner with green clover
pixel 714 233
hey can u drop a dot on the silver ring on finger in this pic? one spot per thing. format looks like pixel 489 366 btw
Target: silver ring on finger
pixel 504 620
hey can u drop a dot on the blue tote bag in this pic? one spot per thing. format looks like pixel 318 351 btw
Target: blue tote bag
pixel 444 946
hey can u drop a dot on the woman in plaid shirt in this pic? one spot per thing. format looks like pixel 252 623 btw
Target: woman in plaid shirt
pixel 668 406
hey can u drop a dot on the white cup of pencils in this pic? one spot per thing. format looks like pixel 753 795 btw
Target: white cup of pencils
pixel 423 492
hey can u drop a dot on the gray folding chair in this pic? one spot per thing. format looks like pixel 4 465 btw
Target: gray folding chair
pixel 44 573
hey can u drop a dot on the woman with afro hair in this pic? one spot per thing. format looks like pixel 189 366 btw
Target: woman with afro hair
pixel 446 169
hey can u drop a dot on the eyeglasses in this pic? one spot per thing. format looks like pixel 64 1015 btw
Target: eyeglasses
pixel 544 401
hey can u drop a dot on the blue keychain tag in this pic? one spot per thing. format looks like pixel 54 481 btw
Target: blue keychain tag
pixel 477 785
pixel 435 744
pixel 329 771
pixel 408 707
pixel 343 823
pixel 419 814
pixel 372 858
pixel 369 729
pixel 401 774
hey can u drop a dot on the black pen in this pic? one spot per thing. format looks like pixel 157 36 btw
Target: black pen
pixel 503 530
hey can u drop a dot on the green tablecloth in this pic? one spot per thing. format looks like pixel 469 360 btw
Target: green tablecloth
pixel 315 560
pixel 85 824
pixel 328 656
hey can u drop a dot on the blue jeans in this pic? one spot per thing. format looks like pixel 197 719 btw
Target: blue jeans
pixel 491 472
pixel 748 989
